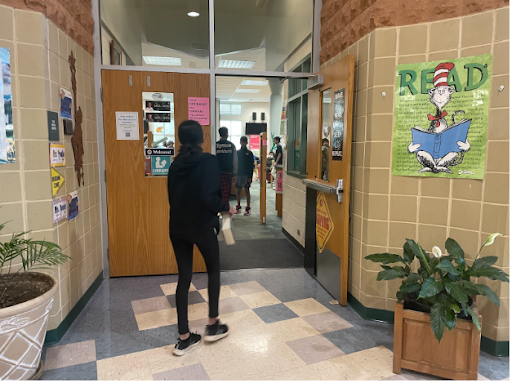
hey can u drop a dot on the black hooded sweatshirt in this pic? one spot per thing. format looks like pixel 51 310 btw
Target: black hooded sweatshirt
pixel 195 197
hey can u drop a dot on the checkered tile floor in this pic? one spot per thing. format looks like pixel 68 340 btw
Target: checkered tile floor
pixel 282 328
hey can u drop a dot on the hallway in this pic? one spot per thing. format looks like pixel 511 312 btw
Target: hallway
pixel 282 328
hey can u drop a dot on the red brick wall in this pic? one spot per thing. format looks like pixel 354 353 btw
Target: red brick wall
pixel 344 22
pixel 74 17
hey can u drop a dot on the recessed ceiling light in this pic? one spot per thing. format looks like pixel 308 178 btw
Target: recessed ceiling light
pixel 247 90
pixel 254 83
pixel 157 60
pixel 233 64
pixel 193 14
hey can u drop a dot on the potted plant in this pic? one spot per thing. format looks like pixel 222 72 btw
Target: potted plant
pixel 26 298
pixel 438 293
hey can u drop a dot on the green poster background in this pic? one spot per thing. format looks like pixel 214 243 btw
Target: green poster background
pixel 412 110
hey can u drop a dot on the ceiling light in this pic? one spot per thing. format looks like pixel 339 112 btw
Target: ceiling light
pixel 157 60
pixel 233 64
pixel 254 83
pixel 193 14
pixel 247 90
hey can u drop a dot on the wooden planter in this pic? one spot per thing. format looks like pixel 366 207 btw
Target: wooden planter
pixel 416 348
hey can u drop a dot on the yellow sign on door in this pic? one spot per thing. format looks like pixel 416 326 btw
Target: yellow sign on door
pixel 324 225
pixel 57 181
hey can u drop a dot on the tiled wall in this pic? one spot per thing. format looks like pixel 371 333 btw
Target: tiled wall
pixel 387 209
pixel 39 66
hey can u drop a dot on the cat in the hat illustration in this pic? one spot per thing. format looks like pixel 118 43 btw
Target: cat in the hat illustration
pixel 440 96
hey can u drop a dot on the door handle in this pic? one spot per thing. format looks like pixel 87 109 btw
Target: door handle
pixel 328 189
pixel 339 190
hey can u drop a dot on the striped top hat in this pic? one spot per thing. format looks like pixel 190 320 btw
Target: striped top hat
pixel 441 74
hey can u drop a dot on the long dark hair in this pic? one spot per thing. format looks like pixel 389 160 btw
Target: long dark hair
pixel 190 135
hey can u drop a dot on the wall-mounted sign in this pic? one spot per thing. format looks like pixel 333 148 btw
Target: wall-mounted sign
pixel 324 224
pixel 157 117
pixel 127 125
pixel 441 117
pixel 66 102
pixel 337 125
pixel 53 126
pixel 57 155
pixel 7 148
pixel 279 182
pixel 159 152
pixel 160 165
pixel 72 205
pixel 60 209
pixel 199 110
pixel 159 106
pixel 57 182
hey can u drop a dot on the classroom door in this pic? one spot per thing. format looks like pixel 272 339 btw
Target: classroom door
pixel 137 205
pixel 328 172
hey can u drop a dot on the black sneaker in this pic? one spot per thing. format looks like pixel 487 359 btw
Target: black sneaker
pixel 215 332
pixel 182 346
pixel 247 211
pixel 238 209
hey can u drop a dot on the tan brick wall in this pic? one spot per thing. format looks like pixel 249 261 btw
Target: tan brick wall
pixel 387 209
pixel 39 64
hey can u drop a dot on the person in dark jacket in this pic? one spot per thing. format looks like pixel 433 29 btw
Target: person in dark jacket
pixel 195 199
pixel 244 176
pixel 226 155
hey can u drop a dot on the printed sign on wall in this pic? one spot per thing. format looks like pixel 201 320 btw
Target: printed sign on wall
pixel 60 209
pixel 57 155
pixel 7 149
pixel 53 126
pixel 199 110
pixel 57 182
pixel 72 205
pixel 160 165
pixel 441 117
pixel 66 101
pixel 279 182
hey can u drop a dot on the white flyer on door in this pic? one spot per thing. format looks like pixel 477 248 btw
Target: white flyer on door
pixel 127 124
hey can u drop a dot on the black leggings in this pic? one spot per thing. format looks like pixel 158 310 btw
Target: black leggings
pixel 208 245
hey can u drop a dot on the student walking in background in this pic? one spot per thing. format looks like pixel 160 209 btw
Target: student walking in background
pixel 228 162
pixel 244 176
pixel 196 199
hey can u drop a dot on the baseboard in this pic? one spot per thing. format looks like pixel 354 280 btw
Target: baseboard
pixel 487 345
pixel 54 336
pixel 296 243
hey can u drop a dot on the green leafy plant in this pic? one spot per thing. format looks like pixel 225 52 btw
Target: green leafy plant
pixel 20 255
pixel 442 283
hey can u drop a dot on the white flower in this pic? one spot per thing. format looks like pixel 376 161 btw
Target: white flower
pixel 437 252
pixel 491 239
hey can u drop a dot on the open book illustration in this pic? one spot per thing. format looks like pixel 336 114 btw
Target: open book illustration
pixel 440 144
pixel 226 229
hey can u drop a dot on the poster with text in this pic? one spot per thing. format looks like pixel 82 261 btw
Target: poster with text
pixel 440 118
pixel 66 101
pixel 72 205
pixel 279 182
pixel 7 149
pixel 337 125
pixel 60 209
pixel 199 110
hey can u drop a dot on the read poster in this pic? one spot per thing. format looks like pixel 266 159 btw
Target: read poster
pixel 7 149
pixel 441 117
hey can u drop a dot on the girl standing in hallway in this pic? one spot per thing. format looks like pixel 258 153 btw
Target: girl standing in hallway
pixel 196 199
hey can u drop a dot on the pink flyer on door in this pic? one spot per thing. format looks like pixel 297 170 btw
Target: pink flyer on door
pixel 199 110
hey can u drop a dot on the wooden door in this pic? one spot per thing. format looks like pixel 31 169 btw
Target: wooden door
pixel 138 207
pixel 338 79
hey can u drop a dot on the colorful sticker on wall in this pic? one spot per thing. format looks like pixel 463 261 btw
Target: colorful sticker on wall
pixel 160 165
pixel 7 148
pixel 441 118
pixel 72 205
pixel 324 224
pixel 57 182
pixel 279 182
pixel 60 209
pixel 337 125
pixel 57 155
pixel 199 110
pixel 66 102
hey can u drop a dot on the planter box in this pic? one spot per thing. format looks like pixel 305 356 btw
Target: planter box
pixel 22 332
pixel 416 348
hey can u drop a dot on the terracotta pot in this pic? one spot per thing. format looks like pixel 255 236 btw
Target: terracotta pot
pixel 22 333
